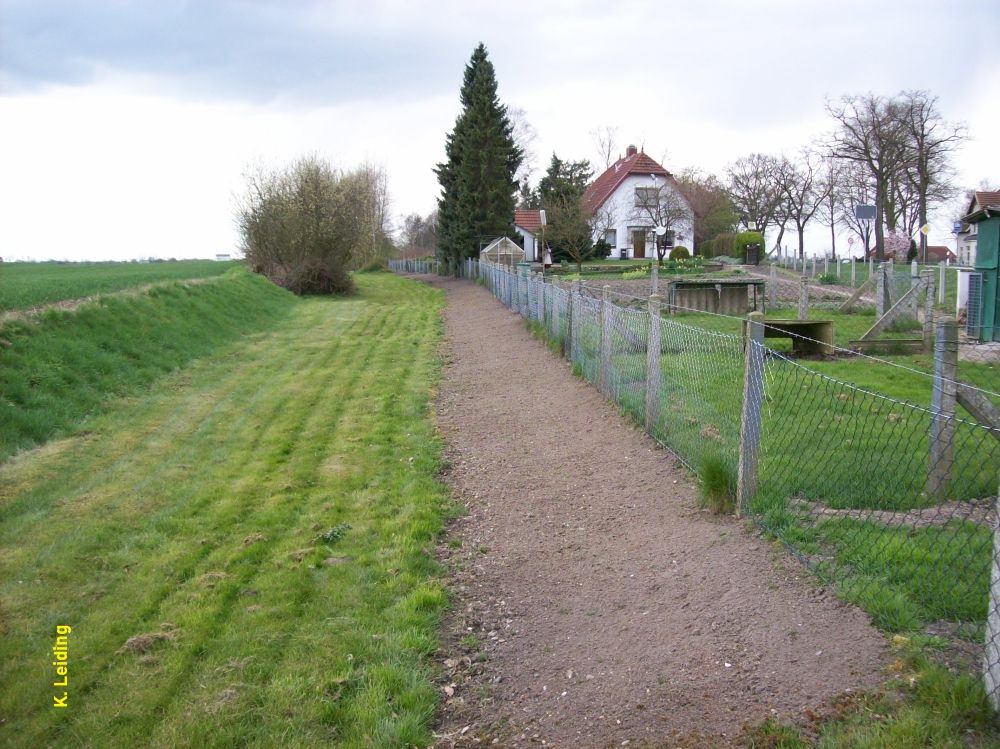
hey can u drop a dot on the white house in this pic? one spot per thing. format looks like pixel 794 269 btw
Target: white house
pixel 630 199
pixel 966 239
pixel 528 223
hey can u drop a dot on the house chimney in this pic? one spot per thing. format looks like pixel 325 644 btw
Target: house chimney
pixel 630 151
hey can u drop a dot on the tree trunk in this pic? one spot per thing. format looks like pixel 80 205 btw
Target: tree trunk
pixel 833 242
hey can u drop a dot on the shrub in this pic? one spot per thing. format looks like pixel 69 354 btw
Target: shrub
pixel 745 238
pixel 680 252
pixel 373 266
pixel 300 225
pixel 706 248
pixel 828 278
pixel 723 244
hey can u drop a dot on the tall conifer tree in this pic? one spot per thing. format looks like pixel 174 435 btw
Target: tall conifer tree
pixel 477 179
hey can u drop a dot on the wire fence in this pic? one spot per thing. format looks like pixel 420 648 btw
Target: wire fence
pixel 881 476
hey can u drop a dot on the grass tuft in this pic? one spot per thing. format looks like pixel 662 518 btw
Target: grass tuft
pixel 717 485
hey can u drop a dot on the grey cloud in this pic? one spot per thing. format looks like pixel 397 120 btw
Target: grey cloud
pixel 255 51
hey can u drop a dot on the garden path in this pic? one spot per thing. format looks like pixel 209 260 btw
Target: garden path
pixel 594 604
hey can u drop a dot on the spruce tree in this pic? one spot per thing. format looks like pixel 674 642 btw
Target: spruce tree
pixel 477 179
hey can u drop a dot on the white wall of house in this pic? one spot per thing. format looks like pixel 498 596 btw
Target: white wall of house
pixel 529 242
pixel 965 246
pixel 627 218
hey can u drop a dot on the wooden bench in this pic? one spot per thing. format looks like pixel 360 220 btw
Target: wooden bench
pixel 819 331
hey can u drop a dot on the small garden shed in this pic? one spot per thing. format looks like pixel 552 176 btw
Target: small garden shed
pixel 984 304
pixel 503 251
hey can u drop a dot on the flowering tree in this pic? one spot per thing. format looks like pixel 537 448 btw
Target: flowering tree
pixel 897 243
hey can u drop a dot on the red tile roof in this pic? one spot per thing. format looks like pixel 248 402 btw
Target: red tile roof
pixel 528 219
pixel 604 186
pixel 938 252
pixel 988 199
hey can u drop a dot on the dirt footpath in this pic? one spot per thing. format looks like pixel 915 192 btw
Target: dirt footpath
pixel 594 603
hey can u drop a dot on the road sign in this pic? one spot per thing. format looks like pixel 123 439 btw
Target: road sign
pixel 864 212
pixel 925 229
pixel 850 240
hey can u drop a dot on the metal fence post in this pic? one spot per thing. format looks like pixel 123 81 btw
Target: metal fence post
pixel 804 298
pixel 854 272
pixel 753 401
pixel 941 282
pixel 991 658
pixel 605 343
pixel 653 365
pixel 942 432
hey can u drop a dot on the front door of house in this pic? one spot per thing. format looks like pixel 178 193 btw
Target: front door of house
pixel 638 243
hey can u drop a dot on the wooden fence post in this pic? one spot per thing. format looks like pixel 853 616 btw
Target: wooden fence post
pixel 941 282
pixel 772 291
pixel 928 280
pixel 942 432
pixel 753 402
pixel 653 366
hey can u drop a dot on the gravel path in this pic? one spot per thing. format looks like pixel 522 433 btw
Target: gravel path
pixel 594 604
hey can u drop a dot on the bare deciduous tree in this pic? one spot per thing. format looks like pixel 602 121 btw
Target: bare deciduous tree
pixel 802 190
pixel 524 135
pixel 570 228
pixel 933 141
pixel 662 204
pixel 872 132
pixel 854 187
pixel 605 140
pixel 754 189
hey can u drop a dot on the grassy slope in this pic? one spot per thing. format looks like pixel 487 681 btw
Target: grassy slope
pixel 24 285
pixel 61 366
pixel 196 515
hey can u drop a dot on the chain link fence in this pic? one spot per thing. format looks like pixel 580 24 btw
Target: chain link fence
pixel 882 477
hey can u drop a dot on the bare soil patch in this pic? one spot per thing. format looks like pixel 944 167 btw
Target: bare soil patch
pixel 594 604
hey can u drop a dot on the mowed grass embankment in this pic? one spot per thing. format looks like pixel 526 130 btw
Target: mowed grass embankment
pixel 245 555
pixel 27 285
pixel 61 366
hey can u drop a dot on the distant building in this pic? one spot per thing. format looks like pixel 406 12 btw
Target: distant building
pixel 621 196
pixel 222 256
pixel 528 223
pixel 968 237
pixel 937 253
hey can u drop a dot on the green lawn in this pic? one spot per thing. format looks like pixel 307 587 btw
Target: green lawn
pixel 25 285
pixel 244 552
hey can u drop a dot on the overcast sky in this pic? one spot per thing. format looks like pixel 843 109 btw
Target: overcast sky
pixel 126 126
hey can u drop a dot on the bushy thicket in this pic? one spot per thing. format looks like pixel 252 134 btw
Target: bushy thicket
pixel 302 226
pixel 744 239
pixel 721 245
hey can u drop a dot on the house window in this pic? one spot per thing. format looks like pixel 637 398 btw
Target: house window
pixel 646 197
pixel 611 237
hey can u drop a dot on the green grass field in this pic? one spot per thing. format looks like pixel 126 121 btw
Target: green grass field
pixel 243 550
pixel 26 285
